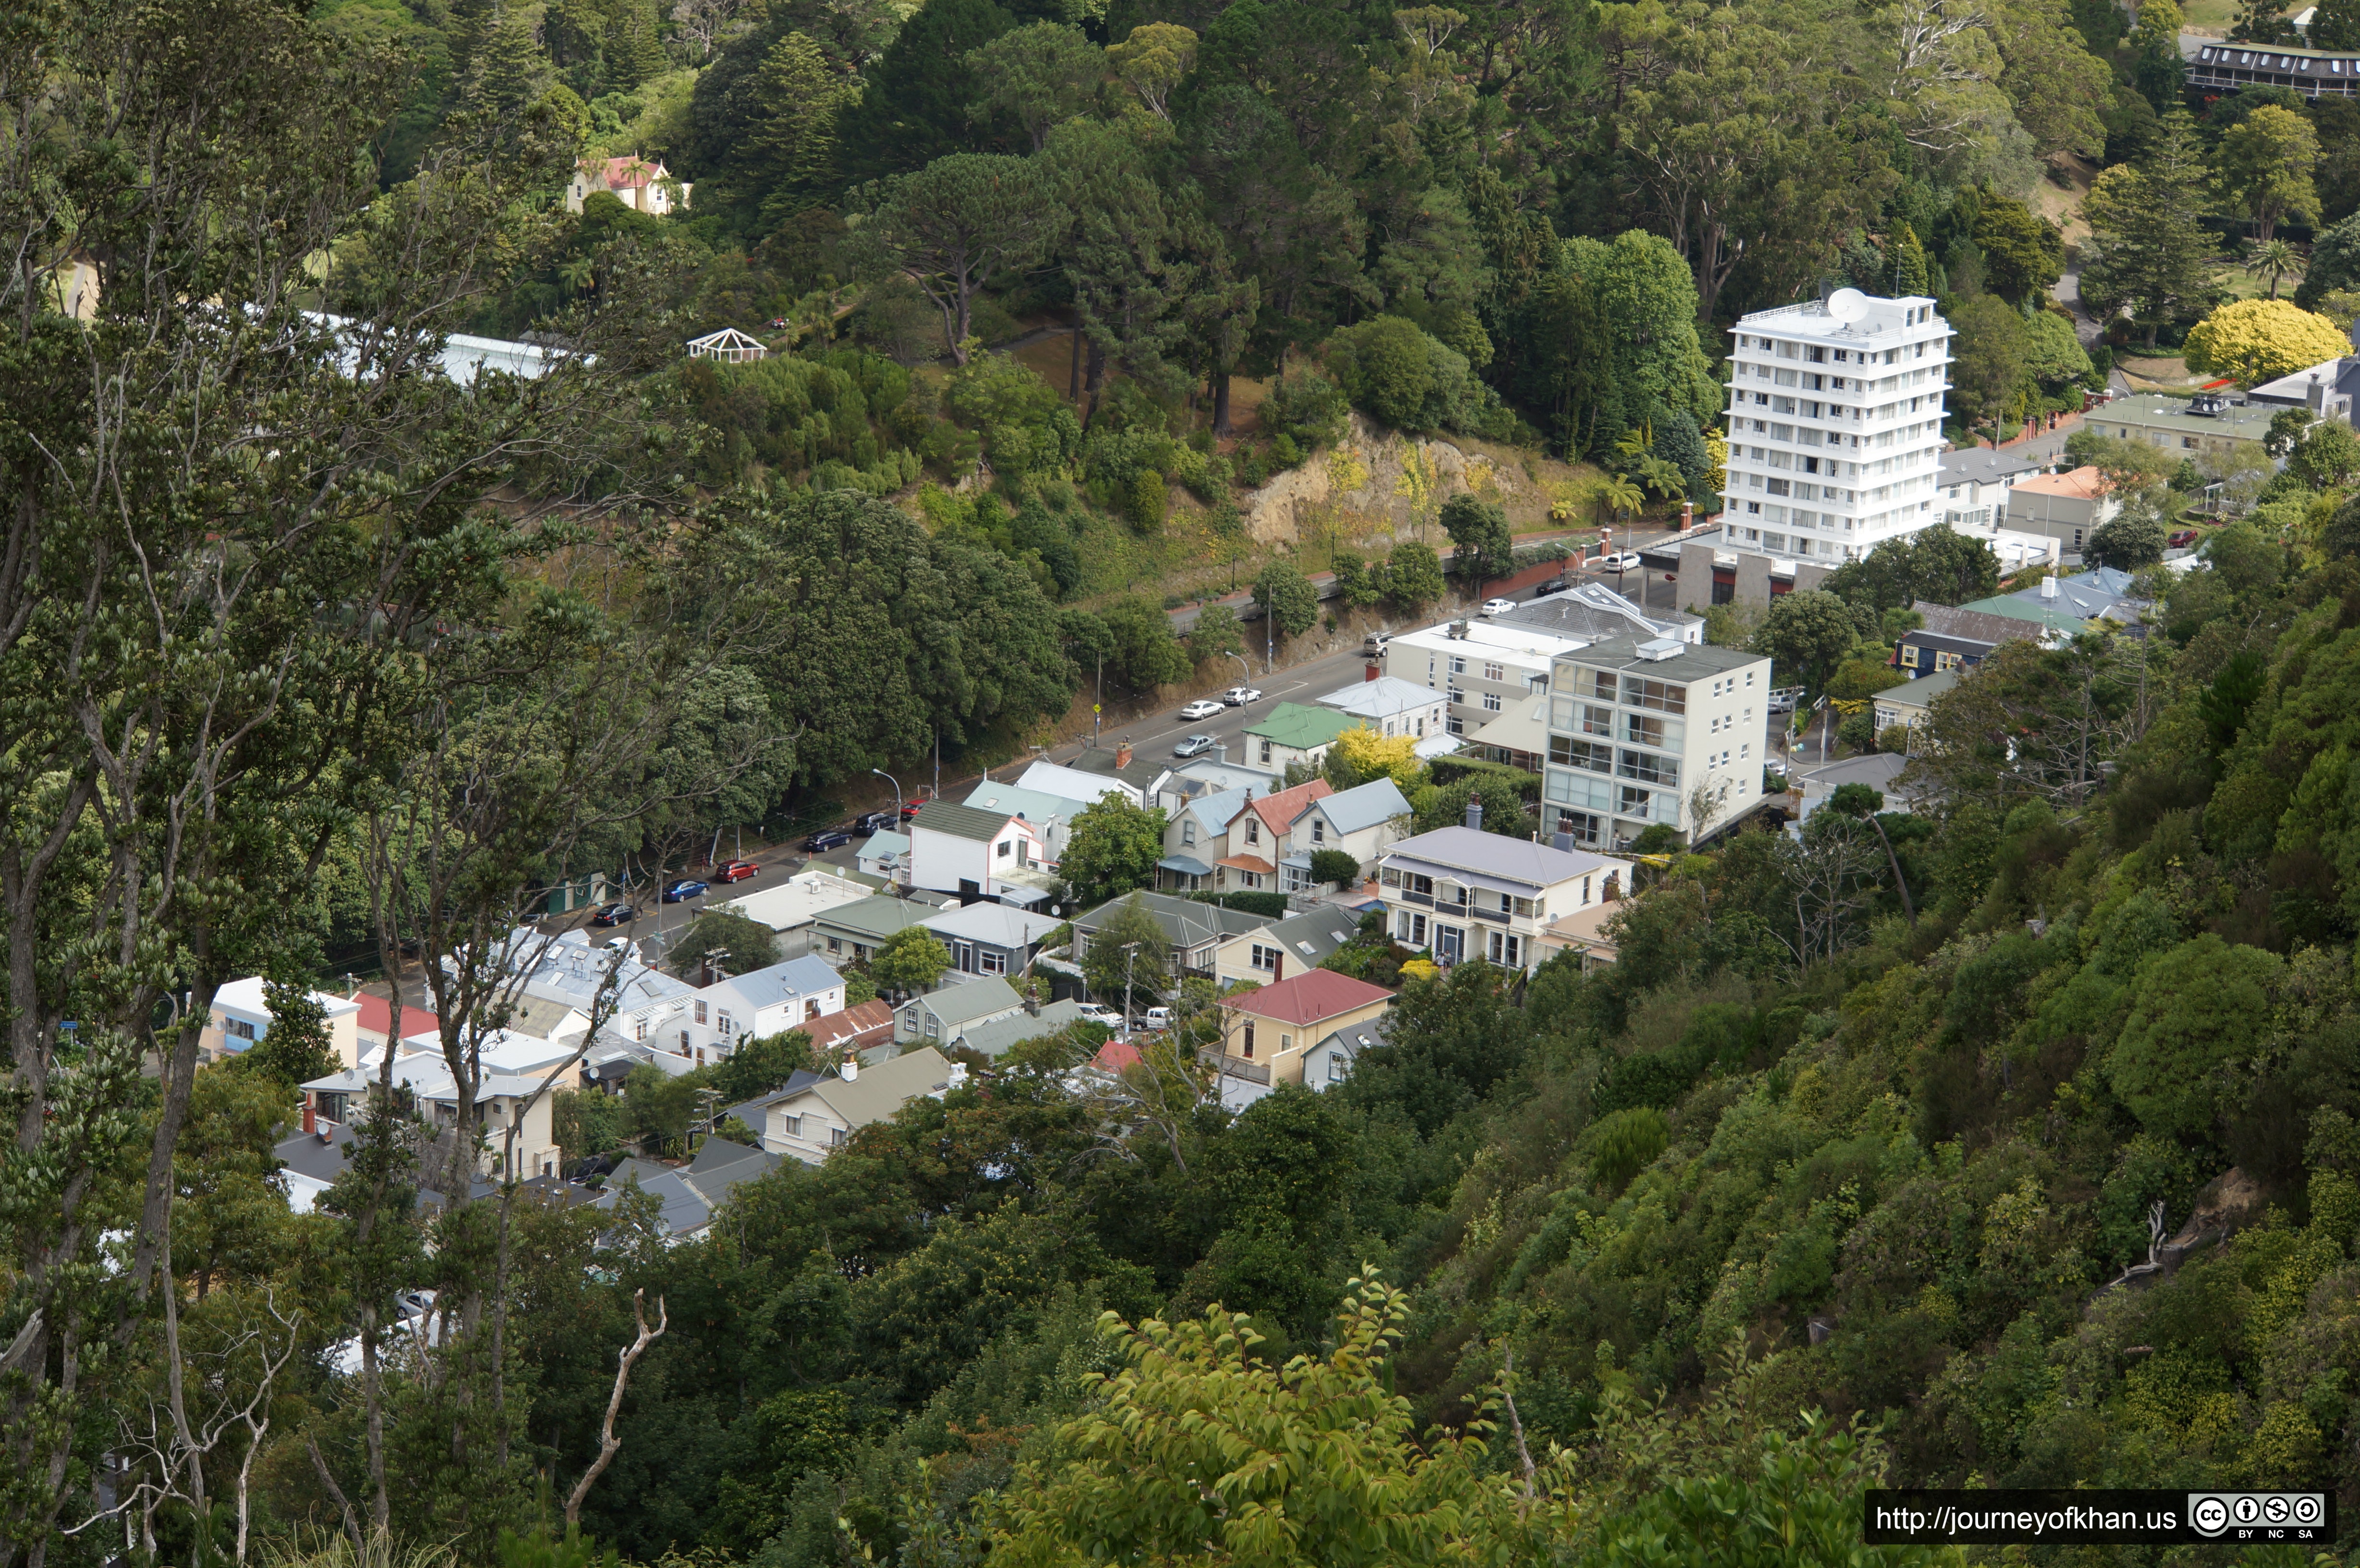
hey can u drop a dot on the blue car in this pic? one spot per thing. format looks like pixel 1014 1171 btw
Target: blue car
pixel 674 892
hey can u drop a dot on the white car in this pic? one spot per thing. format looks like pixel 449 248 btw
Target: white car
pixel 1239 696
pixel 1628 561
pixel 1498 606
pixel 1195 746
pixel 1158 1018
pixel 1093 1013
pixel 1201 709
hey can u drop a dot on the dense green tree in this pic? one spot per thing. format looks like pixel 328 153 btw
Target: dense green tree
pixel 1413 577
pixel 1287 598
pixel 1216 635
pixel 1807 635
pixel 2022 252
pixel 1039 76
pixel 2133 537
pixel 1988 365
pixel 1939 565
pixel 296 1048
pixel 909 961
pixel 2147 226
pixel 1111 849
pixel 760 1064
pixel 915 101
pixel 954 222
pixel 735 942
pixel 2267 161
pixel 1128 961
pixel 1482 546
pixel 2202 1008
pixel 1905 264
pixel 1141 653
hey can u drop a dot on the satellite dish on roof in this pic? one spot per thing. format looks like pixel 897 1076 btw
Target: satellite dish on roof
pixel 1847 305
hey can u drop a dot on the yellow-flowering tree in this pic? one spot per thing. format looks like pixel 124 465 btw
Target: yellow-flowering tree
pixel 2254 340
pixel 1372 756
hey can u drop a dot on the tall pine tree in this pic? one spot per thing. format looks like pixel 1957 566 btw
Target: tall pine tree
pixel 1905 264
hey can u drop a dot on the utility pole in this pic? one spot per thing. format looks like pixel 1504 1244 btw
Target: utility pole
pixel 1130 953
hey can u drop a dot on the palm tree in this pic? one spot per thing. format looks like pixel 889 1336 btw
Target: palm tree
pixel 577 274
pixel 2274 259
pixel 1621 494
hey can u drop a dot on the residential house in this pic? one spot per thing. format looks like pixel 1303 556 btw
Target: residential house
pixel 1583 932
pixel 973 853
pixel 2067 507
pixel 1192 929
pixel 1249 850
pixel 1481 668
pixel 1271 1029
pixel 1205 775
pixel 1586 613
pixel 865 1028
pixel 558 983
pixel 1362 822
pixel 2182 426
pixel 239 1018
pixel 818 1113
pixel 1910 703
pixel 1518 737
pixel 1637 730
pixel 991 939
pixel 940 1016
pixel 1392 707
pixel 1976 482
pixel 885 855
pixel 687 1195
pixel 2330 390
pixel 641 186
pixel 1284 948
pixel 792 907
pixel 1333 1055
pixel 849 933
pixel 2101 593
pixel 766 1001
pixel 1050 816
pixel 1119 763
pixel 420 1031
pixel 1879 771
pixel 513 1090
pixel 1460 893
pixel 994 1038
pixel 1077 784
pixel 1292 734
pixel 1954 638
pixel 1194 829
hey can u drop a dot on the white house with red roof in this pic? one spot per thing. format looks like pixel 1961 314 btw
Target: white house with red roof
pixel 1272 1031
pixel 638 183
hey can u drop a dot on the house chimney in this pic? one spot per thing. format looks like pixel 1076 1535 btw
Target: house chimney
pixel 1613 888
pixel 1220 753
pixel 1122 752
pixel 851 1071
pixel 1688 516
pixel 1561 840
pixel 1474 813
pixel 311 1115
pixel 2049 587
pixel 1369 672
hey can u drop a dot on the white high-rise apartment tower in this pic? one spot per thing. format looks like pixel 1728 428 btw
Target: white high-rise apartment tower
pixel 1835 425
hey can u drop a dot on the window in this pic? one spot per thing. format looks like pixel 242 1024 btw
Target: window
pixel 237 1029
pixel 1335 1067
pixel 1249 1040
pixel 1647 765
pixel 1506 950
pixel 1266 958
pixel 1006 846
pixel 683 1042
pixel 1400 925
pixel 1253 830
pixel 810 1008
pixel 1456 726
pixel 700 1012
pixel 640 1030
pixel 791 1127
pixel 992 962
pixel 1594 683
pixel 1491 703
pixel 1319 829
pixel 910 1019
pixel 1635 803
pixel 933 1027
pixel 836 1137
pixel 1655 694
pixel 1285 1043
pixel 1665 734
pixel 1188 830
pixel 1458 664
pixel 833 945
pixel 1265 751
pixel 725 1027
pixel 1457 696
pixel 1493 672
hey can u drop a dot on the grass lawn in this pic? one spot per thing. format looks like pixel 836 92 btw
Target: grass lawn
pixel 2210 16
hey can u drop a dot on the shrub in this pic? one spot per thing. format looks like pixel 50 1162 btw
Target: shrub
pixel 1269 905
pixel 1396 374
pixel 1333 866
pixel 1147 501
pixel 1304 410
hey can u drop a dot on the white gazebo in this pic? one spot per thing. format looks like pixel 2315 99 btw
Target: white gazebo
pixel 728 343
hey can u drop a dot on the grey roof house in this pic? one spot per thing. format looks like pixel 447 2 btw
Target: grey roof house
pixel 941 1018
pixel 688 1195
pixel 850 933
pixel 991 939
pixel 1194 929
pixel 993 1038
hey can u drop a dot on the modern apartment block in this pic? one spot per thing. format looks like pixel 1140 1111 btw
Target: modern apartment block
pixel 1485 666
pixel 1835 425
pixel 1635 729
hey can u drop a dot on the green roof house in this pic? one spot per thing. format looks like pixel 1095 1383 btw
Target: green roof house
pixel 1293 733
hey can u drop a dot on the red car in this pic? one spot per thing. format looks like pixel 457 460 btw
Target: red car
pixel 2181 540
pixel 738 871
pixel 911 809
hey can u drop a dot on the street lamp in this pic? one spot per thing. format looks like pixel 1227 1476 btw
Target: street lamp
pixel 897 794
pixel 1244 668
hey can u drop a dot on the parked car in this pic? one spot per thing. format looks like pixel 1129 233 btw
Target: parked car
pixel 1375 642
pixel 1201 709
pixel 1498 606
pixel 611 915
pixel 685 888
pixel 738 871
pixel 827 839
pixel 875 822
pixel 1158 1018
pixel 911 809
pixel 1628 561
pixel 1782 701
pixel 1103 1017
pixel 1196 746
pixel 1239 696
pixel 1552 585
pixel 2181 540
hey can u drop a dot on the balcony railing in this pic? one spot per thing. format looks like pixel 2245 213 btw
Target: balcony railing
pixel 1230 1066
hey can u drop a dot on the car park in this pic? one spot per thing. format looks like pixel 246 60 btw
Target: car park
pixel 683 890
pixel 1195 746
pixel 611 915
pixel 1239 696
pixel 738 871
pixel 1498 606
pixel 827 839
pixel 1201 709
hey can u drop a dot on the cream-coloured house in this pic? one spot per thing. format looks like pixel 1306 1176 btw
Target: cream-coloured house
pixel 641 186
pixel 818 1113
pixel 1249 850
pixel 1364 823
pixel 1268 1031
pixel 240 1017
